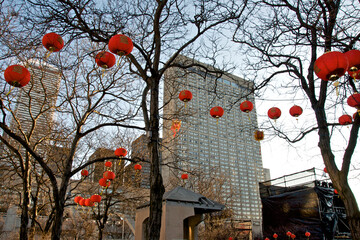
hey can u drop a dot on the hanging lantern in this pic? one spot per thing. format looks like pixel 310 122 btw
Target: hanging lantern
pixel 137 167
pixel 354 101
pixel 274 113
pixel 95 198
pixel 120 45
pixel 246 106
pixel 184 176
pixel 230 238
pixel 120 152
pixel 293 236
pixel 104 182
pixel 108 164
pixel 295 111
pixel 17 76
pixel 353 57
pixel 336 191
pixel 82 202
pixel 185 96
pixel 275 236
pixel 217 112
pixel 307 234
pixel 331 66
pixel 288 233
pixel 84 173
pixel 105 59
pixel 325 170
pixel 345 120
pixel 175 126
pixel 267 238
pixel 109 175
pixel 77 199
pixel 259 135
pixel 89 203
pixel 53 42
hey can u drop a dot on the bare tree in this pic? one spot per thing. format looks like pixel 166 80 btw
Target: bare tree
pixel 283 39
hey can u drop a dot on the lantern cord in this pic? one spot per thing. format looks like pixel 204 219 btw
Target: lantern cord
pixel 119 61
pixel 10 90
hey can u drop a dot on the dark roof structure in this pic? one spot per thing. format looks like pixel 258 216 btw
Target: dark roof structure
pixel 185 197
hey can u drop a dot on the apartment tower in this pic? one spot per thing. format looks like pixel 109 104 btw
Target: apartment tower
pixel 220 154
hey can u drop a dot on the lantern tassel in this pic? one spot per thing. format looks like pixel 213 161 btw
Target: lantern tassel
pixel 336 85
pixel 10 90
pixel 120 161
pixel 47 54
pixel 217 121
pixel 249 117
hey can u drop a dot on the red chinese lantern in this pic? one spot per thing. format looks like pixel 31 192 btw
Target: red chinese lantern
pixel 345 120
pixel 295 111
pixel 288 233
pixel 246 106
pixel 259 135
pixel 84 173
pixel 89 203
pixel 184 176
pixel 175 126
pixel 230 238
pixel 354 101
pixel 274 113
pixel 185 95
pixel 353 57
pixel 108 164
pixel 336 191
pixel 104 182
pixel 307 234
pixel 120 45
pixel 77 199
pixel 109 175
pixel 120 152
pixel 82 202
pixel 137 167
pixel 267 238
pixel 105 59
pixel 325 170
pixel 217 112
pixel 275 236
pixel 331 66
pixel 95 198
pixel 17 76
pixel 53 42
pixel 293 236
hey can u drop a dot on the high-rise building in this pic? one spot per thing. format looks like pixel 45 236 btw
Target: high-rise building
pixel 223 149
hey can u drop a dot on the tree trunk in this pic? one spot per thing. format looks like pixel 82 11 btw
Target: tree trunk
pixel 156 182
pixel 58 221
pixel 26 202
pixel 101 228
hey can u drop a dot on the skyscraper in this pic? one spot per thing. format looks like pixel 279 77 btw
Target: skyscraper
pixel 224 148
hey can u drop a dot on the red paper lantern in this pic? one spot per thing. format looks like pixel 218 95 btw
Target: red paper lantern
pixel 77 199
pixel 89 203
pixel 120 45
pixel 246 106
pixel 325 170
pixel 275 236
pixel 82 202
pixel 259 135
pixel 53 42
pixel 17 76
pixel 274 113
pixel 307 234
pixel 84 173
pixel 108 164
pixel 353 57
pixel 331 66
pixel 185 95
pixel 288 233
pixel 354 101
pixel 293 236
pixel 105 59
pixel 95 198
pixel 137 167
pixel 109 175
pixel 217 112
pixel 120 152
pixel 345 120
pixel 295 111
pixel 336 191
pixel 184 176
pixel 104 182
pixel 267 238
pixel 230 238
